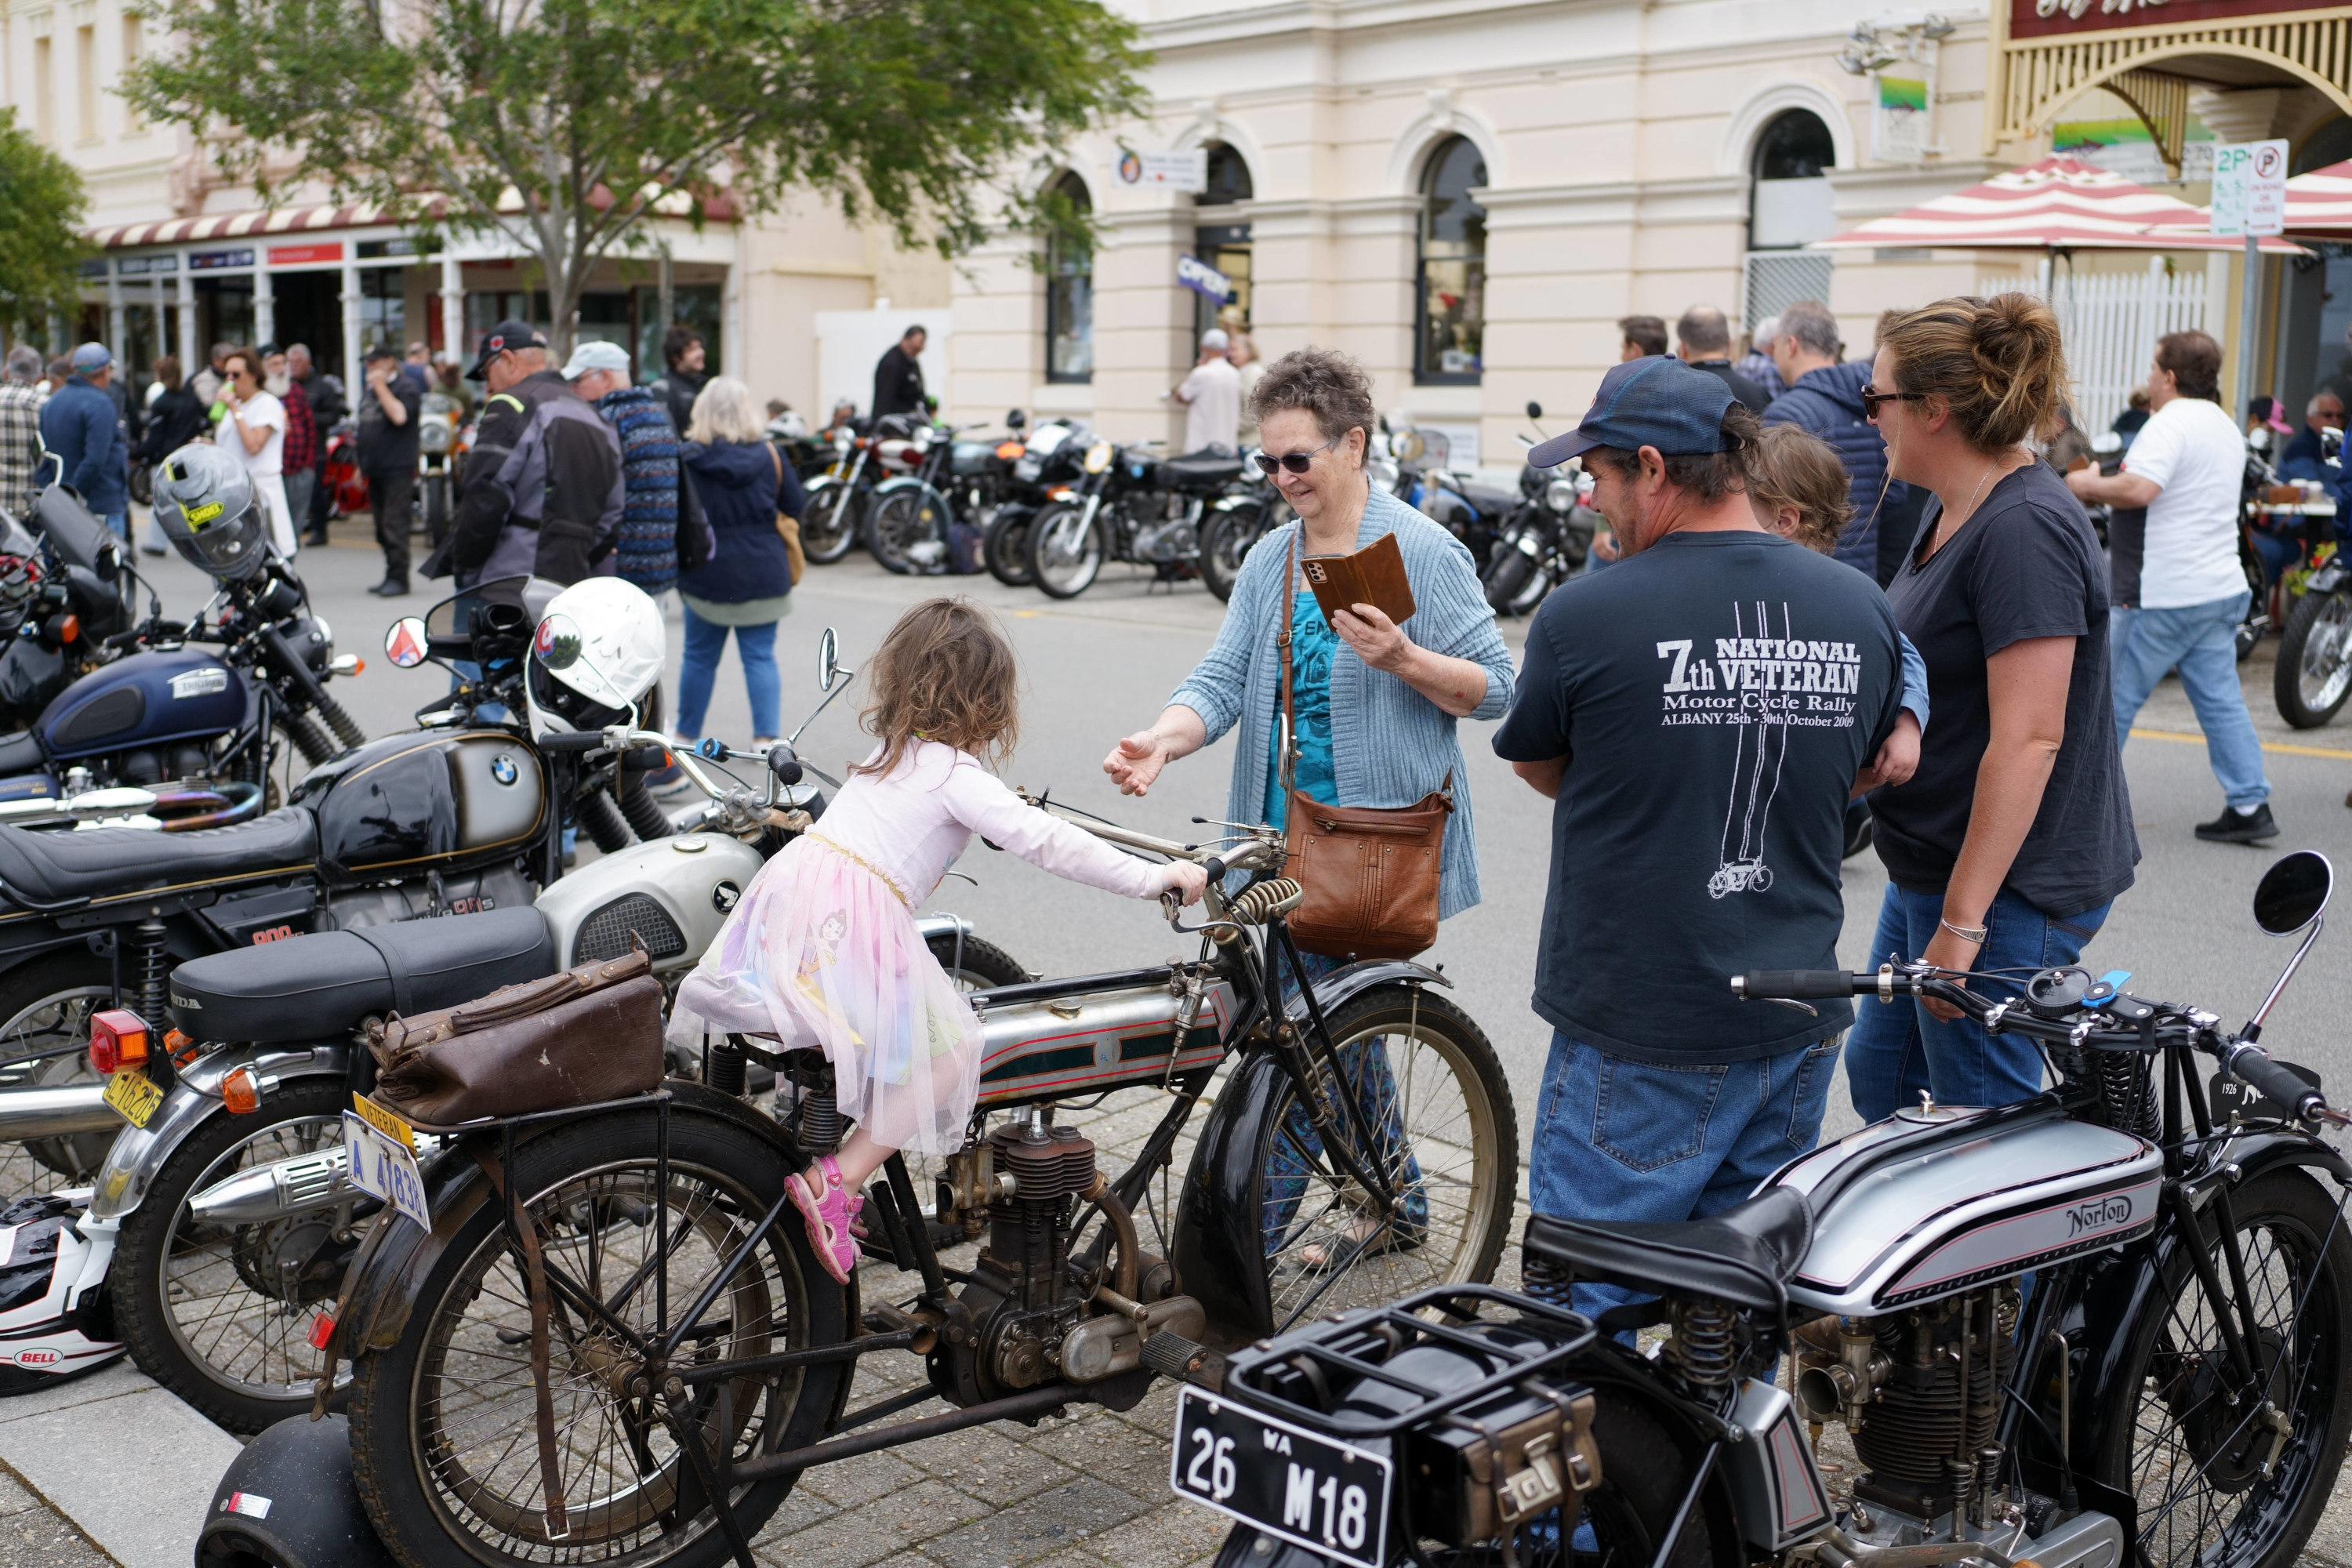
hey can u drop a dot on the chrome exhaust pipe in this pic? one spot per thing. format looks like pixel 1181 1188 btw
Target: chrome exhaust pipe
pixel 278 1189
pixel 56 1112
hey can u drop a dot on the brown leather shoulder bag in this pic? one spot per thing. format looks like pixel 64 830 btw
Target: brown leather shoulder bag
pixel 1370 873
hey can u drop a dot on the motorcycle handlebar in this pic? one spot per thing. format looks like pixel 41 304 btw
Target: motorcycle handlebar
pixel 1796 984
pixel 2252 1066
pixel 572 741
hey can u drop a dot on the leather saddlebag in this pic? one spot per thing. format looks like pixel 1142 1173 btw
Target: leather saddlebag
pixel 589 1034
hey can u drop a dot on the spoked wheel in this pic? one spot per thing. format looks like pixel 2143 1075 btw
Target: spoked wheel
pixel 220 1313
pixel 1509 574
pixel 907 532
pixel 975 964
pixel 1225 541
pixel 1443 1136
pixel 1066 551
pixel 444 1444
pixel 829 522
pixel 45 1008
pixel 2314 659
pixel 2231 1475
pixel 1006 546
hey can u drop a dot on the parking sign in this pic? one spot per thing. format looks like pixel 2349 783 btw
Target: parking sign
pixel 2250 187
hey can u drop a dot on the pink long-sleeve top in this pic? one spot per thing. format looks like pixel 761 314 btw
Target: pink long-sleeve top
pixel 910 825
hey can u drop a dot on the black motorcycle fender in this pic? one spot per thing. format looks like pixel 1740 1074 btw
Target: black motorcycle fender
pixel 1220 1242
pixel 396 1257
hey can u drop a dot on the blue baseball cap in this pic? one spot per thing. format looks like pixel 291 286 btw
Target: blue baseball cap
pixel 1658 401
pixel 91 356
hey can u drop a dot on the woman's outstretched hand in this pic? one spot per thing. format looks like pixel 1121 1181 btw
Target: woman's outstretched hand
pixel 1135 762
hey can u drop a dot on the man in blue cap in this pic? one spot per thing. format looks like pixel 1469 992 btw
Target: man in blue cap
pixel 1700 713
pixel 80 429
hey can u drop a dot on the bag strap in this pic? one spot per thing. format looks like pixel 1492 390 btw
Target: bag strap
pixel 397 966
pixel 1285 765
pixel 550 1475
pixel 778 459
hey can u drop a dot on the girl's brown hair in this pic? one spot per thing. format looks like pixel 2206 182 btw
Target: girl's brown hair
pixel 1997 363
pixel 1791 466
pixel 945 673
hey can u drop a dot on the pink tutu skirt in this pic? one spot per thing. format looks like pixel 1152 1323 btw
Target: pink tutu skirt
pixel 823 953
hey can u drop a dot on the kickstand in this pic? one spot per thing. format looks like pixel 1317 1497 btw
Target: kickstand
pixel 715 1471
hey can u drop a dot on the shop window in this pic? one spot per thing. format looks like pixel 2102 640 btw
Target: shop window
pixel 1225 246
pixel 694 305
pixel 1070 293
pixel 383 307
pixel 1450 291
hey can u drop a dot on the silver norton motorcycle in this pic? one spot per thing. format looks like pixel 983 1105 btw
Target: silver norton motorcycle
pixel 2110 1324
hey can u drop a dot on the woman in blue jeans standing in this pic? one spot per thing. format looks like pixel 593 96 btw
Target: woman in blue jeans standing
pixel 743 483
pixel 2005 850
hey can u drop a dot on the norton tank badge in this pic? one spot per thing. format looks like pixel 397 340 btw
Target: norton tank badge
pixel 724 896
pixel 502 768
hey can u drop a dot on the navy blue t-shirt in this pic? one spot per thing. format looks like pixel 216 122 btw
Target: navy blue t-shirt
pixel 1716 695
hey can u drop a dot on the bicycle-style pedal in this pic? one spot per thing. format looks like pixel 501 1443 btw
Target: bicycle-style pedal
pixel 1173 1355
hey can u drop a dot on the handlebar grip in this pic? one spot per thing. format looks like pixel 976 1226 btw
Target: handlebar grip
pixel 2250 1066
pixel 1215 868
pixel 572 741
pixel 1794 984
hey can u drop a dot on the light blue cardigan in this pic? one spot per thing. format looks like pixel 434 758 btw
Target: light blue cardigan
pixel 1241 681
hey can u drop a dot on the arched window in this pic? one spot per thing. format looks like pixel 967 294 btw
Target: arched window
pixel 1789 206
pixel 1229 178
pixel 1450 285
pixel 1224 246
pixel 1069 290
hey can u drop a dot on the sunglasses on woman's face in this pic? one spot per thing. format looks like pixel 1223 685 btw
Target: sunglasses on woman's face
pixel 1872 398
pixel 1296 462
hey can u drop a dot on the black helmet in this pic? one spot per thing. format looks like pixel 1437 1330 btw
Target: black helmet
pixel 205 506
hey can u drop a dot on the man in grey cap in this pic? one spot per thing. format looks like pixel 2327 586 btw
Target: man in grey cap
pixel 82 431
pixel 653 499
pixel 20 429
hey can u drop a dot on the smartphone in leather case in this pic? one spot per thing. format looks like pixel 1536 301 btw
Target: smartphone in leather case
pixel 1373 575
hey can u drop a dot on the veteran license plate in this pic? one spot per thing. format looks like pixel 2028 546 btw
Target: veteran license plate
pixel 134 1096
pixel 382 1153
pixel 1328 1497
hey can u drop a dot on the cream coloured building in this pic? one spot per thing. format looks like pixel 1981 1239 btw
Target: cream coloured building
pixel 1468 193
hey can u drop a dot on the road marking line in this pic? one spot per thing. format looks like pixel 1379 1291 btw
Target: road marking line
pixel 2196 740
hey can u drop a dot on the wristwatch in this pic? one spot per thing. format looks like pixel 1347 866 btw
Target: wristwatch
pixel 1975 935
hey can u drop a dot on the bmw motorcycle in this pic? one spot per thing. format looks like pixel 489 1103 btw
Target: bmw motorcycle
pixel 2111 1323
pixel 1128 505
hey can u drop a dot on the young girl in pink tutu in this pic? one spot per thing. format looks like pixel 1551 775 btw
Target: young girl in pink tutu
pixel 822 952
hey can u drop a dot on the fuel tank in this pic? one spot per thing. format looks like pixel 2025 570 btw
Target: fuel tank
pixel 394 806
pixel 1042 1046
pixel 1930 1203
pixel 145 699
pixel 673 894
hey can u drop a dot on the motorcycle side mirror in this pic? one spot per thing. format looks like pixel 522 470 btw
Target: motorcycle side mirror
pixel 828 659
pixel 2292 893
pixel 1016 420
pixel 404 644
pixel 1535 409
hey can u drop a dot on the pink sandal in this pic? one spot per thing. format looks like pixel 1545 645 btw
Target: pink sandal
pixel 832 1219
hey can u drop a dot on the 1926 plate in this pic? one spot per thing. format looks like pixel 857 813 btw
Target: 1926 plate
pixel 134 1096
pixel 1326 1496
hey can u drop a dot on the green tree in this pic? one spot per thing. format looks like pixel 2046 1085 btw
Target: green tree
pixel 565 124
pixel 41 243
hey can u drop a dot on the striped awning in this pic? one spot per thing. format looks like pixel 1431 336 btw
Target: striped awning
pixel 717 207
pixel 2058 204
pixel 2320 204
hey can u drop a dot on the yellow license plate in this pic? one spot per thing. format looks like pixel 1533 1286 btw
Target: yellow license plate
pixel 134 1094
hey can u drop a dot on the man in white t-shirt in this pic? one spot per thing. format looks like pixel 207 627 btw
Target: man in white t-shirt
pixel 253 429
pixel 2187 467
pixel 1212 396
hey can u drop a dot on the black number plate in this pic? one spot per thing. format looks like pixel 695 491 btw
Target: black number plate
pixel 1328 1497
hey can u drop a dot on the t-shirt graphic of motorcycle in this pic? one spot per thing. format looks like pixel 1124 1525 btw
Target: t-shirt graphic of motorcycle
pixel 1713 696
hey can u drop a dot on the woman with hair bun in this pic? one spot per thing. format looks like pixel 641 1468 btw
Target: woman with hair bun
pixel 2005 850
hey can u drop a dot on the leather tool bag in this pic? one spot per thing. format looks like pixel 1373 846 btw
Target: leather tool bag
pixel 1370 873
pixel 589 1034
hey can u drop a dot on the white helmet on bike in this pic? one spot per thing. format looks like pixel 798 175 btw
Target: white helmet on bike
pixel 599 650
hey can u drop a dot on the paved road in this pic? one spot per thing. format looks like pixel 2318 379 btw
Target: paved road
pixel 1092 1489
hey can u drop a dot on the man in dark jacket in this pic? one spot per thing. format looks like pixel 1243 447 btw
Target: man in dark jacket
pixel 543 491
pixel 388 420
pixel 1702 341
pixel 82 430
pixel 1825 397
pixel 899 376
pixel 325 394
pixel 683 376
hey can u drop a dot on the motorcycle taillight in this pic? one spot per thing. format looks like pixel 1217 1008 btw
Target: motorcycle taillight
pixel 118 1039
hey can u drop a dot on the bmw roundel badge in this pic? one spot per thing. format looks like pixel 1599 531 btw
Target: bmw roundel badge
pixel 724 896
pixel 502 768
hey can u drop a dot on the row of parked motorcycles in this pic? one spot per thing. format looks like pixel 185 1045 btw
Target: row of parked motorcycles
pixel 1049 507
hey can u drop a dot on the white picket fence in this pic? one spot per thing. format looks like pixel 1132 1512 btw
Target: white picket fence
pixel 2110 321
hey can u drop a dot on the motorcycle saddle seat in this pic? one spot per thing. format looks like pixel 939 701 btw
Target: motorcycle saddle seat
pixel 321 987
pixel 47 869
pixel 20 753
pixel 1744 1256
pixel 1204 473
pixel 1491 502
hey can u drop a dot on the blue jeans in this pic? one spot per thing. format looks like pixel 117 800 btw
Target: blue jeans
pixel 118 521
pixel 1621 1139
pixel 1898 1048
pixel 2200 641
pixel 705 644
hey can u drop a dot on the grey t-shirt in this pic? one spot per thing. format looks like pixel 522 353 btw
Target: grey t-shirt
pixel 2026 565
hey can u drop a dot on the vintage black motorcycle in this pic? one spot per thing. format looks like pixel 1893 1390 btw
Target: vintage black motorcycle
pixel 1132 506
pixel 698 1359
pixel 1052 460
pixel 942 485
pixel 2111 1323
pixel 1544 540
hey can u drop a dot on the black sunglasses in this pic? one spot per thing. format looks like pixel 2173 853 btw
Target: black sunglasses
pixel 1296 462
pixel 1871 400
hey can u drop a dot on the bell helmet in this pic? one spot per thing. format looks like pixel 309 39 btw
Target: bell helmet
pixel 54 1318
pixel 205 506
pixel 599 649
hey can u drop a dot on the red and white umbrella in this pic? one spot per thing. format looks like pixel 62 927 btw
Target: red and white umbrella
pixel 2320 203
pixel 2058 204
